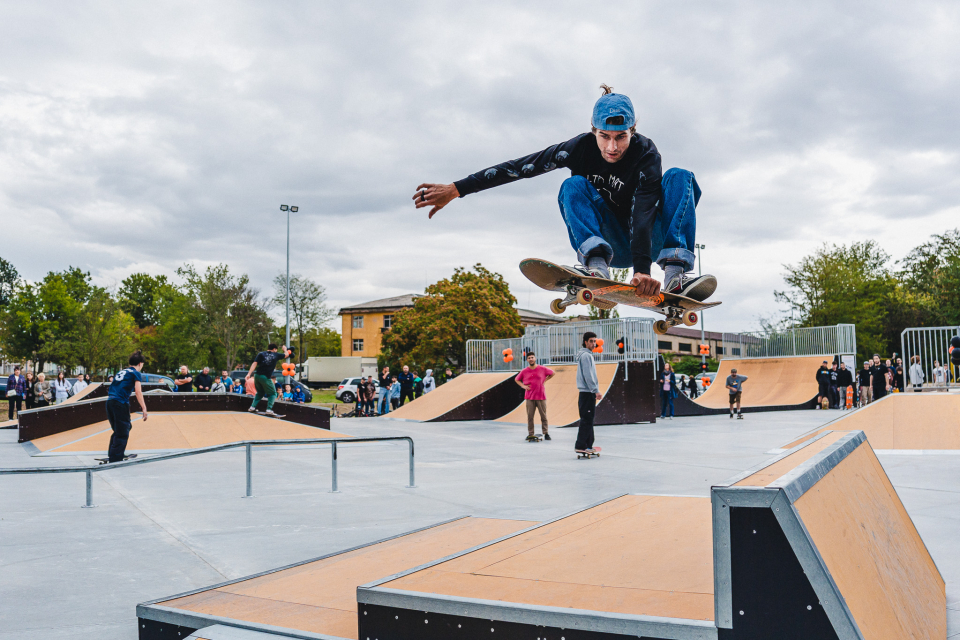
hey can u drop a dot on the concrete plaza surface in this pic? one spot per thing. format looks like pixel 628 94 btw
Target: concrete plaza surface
pixel 165 528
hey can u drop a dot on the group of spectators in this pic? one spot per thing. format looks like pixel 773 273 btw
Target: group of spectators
pixel 205 383
pixel 392 390
pixel 875 380
pixel 32 392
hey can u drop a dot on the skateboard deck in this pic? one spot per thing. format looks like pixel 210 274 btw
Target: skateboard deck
pixel 589 454
pixel 536 438
pixel 606 294
pixel 267 415
pixel 107 460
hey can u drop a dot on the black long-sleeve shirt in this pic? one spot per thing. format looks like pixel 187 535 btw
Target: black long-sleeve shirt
pixel 630 187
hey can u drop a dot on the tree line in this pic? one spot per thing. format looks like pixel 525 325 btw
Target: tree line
pixel 859 284
pixel 209 318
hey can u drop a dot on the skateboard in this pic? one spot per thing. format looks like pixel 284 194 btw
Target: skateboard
pixel 535 438
pixel 606 294
pixel 582 455
pixel 267 415
pixel 107 460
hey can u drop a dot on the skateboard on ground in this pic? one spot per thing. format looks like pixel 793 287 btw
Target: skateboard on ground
pixel 267 415
pixel 606 294
pixel 107 460
pixel 535 438
pixel 583 455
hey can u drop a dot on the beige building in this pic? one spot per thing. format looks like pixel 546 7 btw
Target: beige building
pixel 681 341
pixel 363 325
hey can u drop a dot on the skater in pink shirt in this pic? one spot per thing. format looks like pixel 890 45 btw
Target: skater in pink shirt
pixel 532 380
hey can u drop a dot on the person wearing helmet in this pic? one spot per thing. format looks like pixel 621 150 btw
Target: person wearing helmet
pixel 619 208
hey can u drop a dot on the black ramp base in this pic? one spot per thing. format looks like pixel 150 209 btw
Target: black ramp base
pixel 153 630
pixel 772 597
pixel 391 623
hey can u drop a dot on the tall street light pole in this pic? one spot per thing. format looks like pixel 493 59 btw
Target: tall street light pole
pixel 284 207
pixel 703 359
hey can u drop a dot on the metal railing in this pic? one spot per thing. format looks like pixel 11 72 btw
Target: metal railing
pixel 804 341
pixel 249 444
pixel 559 344
pixel 930 344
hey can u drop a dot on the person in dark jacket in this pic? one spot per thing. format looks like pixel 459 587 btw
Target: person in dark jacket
pixel 406 385
pixel 823 383
pixel 844 381
pixel 667 383
pixel 30 397
pixel 834 399
pixel 16 392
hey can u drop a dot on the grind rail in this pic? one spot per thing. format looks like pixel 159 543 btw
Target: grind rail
pixel 249 444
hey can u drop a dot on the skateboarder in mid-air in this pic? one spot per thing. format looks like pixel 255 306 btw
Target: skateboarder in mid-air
pixel 619 208
pixel 261 370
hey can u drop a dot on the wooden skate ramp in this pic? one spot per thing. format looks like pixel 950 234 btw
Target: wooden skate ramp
pixel 469 396
pixel 173 431
pixel 902 422
pixel 772 382
pixel 563 396
pixel 320 596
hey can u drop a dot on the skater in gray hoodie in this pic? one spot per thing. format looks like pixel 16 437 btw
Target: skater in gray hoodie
pixel 589 389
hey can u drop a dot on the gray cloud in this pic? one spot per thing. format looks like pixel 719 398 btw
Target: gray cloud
pixel 140 137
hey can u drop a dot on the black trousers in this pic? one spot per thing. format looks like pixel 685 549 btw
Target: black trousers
pixel 588 407
pixel 406 394
pixel 879 392
pixel 14 401
pixel 118 413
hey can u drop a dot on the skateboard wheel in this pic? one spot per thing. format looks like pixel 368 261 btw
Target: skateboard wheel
pixel 690 318
pixel 556 306
pixel 660 327
pixel 584 296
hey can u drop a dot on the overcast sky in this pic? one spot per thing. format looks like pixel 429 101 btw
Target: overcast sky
pixel 138 136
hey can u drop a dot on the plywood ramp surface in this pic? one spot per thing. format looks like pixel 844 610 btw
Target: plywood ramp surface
pixel 772 382
pixel 873 551
pixel 87 390
pixel 643 555
pixel 450 395
pixel 170 431
pixel 563 395
pixel 904 421
pixel 321 596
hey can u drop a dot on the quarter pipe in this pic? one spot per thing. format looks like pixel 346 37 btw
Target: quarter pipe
pixel 774 384
pixel 470 396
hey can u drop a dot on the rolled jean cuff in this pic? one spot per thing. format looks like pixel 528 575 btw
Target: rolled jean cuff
pixel 685 256
pixel 595 246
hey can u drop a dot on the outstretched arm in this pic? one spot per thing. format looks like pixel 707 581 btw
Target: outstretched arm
pixel 437 196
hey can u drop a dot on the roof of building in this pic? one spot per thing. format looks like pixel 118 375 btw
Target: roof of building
pixel 528 316
pixel 386 304
pixel 683 332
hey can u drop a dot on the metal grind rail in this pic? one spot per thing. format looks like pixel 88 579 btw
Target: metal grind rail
pixel 249 444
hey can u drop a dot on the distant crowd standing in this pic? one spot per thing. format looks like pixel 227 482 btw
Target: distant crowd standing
pixel 32 392
pixel 239 383
pixel 392 391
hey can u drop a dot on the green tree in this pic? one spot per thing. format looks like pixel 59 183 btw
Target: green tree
pixel 434 332
pixel 103 335
pixel 307 309
pixel 8 282
pixel 230 311
pixel 843 284
pixel 322 343
pixel 145 297
pixel 930 274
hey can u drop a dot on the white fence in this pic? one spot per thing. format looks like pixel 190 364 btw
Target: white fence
pixel 806 341
pixel 559 344
pixel 932 345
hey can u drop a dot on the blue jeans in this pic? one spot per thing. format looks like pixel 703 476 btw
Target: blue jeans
pixel 666 401
pixel 594 228
pixel 384 402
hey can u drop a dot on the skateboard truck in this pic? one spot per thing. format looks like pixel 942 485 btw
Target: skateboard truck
pixel 675 316
pixel 575 295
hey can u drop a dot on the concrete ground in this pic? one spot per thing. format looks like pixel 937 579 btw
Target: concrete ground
pixel 161 529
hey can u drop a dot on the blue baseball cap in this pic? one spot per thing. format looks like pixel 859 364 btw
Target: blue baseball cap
pixel 610 106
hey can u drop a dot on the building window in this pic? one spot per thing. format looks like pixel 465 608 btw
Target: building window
pixel 685 347
pixel 719 351
pixel 664 346
pixel 736 351
pixel 358 344
pixel 358 323
pixel 387 322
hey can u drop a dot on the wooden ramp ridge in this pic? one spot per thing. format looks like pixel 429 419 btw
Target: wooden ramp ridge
pixel 90 389
pixel 901 422
pixel 774 384
pixel 812 544
pixel 469 396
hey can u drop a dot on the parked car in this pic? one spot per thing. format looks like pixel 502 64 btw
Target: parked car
pixel 240 374
pixel 347 389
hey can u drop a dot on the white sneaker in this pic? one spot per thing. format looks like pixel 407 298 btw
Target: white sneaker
pixel 593 272
pixel 697 288
pixel 252 409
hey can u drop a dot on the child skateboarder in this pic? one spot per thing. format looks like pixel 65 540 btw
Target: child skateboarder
pixel 589 388
pixel 533 380
pixel 118 407
pixel 735 387
pixel 619 208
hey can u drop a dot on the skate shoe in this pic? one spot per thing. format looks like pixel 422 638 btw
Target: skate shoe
pixel 593 272
pixel 546 436
pixel 698 288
